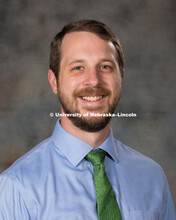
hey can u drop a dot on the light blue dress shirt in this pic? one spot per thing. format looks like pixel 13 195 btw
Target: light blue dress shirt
pixel 54 182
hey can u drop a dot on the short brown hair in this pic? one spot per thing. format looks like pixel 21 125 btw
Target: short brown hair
pixel 83 25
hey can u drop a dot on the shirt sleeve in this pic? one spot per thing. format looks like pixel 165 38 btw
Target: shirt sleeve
pixel 168 211
pixel 12 205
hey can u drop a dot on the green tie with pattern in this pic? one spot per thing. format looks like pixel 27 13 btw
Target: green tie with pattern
pixel 106 201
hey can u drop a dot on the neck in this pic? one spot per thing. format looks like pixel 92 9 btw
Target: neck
pixel 94 139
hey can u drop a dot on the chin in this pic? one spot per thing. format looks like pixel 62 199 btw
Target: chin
pixel 91 124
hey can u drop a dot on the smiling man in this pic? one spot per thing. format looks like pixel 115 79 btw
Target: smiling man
pixel 81 172
pixel 89 81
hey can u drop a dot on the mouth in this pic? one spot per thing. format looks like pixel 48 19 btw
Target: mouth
pixel 92 98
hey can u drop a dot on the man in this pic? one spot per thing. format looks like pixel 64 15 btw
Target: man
pixel 81 172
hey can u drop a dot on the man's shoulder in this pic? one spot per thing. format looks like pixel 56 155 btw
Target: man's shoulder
pixel 29 162
pixel 133 159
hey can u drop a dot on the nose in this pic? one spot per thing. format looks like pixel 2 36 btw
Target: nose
pixel 92 78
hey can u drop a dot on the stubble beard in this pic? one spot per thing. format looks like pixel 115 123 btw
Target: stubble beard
pixel 89 124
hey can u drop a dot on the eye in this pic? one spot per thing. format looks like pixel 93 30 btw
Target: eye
pixel 106 68
pixel 78 68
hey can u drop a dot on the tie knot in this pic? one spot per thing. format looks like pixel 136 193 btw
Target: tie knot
pixel 96 156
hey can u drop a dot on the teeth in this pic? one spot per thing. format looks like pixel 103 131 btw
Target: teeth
pixel 91 98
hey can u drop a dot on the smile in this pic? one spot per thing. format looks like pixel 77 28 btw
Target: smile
pixel 92 98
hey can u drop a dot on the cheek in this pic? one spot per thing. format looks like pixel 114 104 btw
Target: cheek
pixel 115 83
pixel 68 84
pixel 118 85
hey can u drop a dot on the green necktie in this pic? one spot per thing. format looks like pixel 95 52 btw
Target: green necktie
pixel 106 201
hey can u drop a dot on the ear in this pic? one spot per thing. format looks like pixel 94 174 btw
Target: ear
pixel 52 80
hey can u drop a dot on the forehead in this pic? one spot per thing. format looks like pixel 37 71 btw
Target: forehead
pixel 85 42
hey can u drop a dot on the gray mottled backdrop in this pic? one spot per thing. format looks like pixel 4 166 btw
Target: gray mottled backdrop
pixel 148 35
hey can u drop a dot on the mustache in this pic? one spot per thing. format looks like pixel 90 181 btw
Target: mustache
pixel 89 91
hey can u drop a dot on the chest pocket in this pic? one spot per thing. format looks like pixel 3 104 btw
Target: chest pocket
pixel 144 215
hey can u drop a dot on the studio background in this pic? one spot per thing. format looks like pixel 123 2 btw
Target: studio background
pixel 148 35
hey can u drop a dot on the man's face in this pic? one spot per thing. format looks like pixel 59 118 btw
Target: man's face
pixel 89 79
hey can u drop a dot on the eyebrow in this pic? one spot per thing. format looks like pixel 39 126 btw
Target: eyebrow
pixel 107 60
pixel 76 61
pixel 81 61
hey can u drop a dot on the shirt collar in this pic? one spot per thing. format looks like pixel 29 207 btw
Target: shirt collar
pixel 76 149
pixel 109 146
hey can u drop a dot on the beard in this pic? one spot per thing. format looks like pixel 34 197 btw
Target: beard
pixel 89 124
